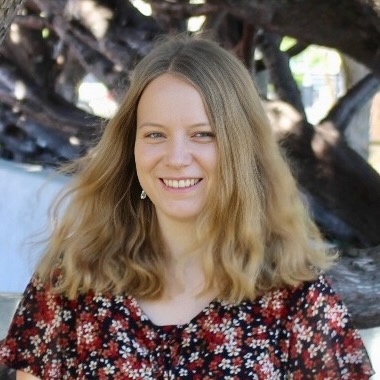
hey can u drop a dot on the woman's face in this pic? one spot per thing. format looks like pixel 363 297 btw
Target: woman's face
pixel 175 151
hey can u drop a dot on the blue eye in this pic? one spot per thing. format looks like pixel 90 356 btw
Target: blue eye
pixel 205 135
pixel 154 135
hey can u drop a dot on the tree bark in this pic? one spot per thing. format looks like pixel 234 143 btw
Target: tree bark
pixel 357 130
pixel 348 105
pixel 343 190
pixel 355 279
pixel 355 23
pixel 8 10
pixel 277 62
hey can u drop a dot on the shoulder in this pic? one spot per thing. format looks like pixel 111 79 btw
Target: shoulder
pixel 318 300
pixel 49 331
pixel 309 302
pixel 306 293
pixel 322 335
pixel 312 293
pixel 42 296
pixel 316 304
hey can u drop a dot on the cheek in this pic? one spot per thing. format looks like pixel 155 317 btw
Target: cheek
pixel 139 161
pixel 146 158
pixel 212 160
pixel 141 154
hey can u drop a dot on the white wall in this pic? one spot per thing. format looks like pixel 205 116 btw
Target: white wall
pixel 25 196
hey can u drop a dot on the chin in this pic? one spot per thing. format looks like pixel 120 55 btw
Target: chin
pixel 181 215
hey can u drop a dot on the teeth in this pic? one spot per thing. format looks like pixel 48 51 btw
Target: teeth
pixel 181 183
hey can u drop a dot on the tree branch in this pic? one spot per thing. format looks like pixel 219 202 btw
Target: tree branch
pixel 296 49
pixel 244 48
pixel 345 108
pixel 8 10
pixel 315 22
pixel 31 21
pixel 277 62
pixel 18 90
pixel 337 177
pixel 27 140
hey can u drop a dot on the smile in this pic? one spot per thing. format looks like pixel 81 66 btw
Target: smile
pixel 182 183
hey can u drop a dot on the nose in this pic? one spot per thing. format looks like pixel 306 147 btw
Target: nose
pixel 178 153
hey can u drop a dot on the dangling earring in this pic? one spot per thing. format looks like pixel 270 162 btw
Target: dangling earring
pixel 143 195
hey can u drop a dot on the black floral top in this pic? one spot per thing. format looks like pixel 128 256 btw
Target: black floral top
pixel 299 333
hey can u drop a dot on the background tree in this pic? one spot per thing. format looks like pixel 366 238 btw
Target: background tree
pixel 52 45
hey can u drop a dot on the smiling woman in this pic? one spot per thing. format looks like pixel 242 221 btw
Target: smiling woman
pixel 175 150
pixel 184 250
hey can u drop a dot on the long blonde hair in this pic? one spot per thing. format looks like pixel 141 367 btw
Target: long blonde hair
pixel 255 230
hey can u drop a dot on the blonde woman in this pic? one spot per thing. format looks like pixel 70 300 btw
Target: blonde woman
pixel 184 251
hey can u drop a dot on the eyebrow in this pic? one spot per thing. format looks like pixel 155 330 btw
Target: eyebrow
pixel 150 124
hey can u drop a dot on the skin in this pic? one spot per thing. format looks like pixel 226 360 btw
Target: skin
pixel 174 141
pixel 25 376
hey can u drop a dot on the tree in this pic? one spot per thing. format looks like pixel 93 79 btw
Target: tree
pixel 52 45
pixel 8 9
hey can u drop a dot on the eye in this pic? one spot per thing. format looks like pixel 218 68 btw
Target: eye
pixel 205 135
pixel 154 135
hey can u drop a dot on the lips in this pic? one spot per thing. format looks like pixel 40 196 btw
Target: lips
pixel 182 183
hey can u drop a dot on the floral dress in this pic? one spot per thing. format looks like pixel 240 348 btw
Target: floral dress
pixel 296 333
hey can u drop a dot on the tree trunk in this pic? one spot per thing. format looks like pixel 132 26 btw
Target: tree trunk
pixel 343 191
pixel 360 289
pixel 357 130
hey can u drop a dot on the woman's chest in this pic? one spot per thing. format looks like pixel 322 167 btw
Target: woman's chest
pixel 215 345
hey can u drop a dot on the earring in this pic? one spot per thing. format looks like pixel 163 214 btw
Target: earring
pixel 143 195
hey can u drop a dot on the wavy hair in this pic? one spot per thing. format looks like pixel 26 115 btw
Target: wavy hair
pixel 256 233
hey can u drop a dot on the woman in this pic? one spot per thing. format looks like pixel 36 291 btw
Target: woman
pixel 184 250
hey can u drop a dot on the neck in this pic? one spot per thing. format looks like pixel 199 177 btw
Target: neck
pixel 179 238
pixel 184 273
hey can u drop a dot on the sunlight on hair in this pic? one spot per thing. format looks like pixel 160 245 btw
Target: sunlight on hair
pixel 143 7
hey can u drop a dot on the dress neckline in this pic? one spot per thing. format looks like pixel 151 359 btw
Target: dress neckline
pixel 213 304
